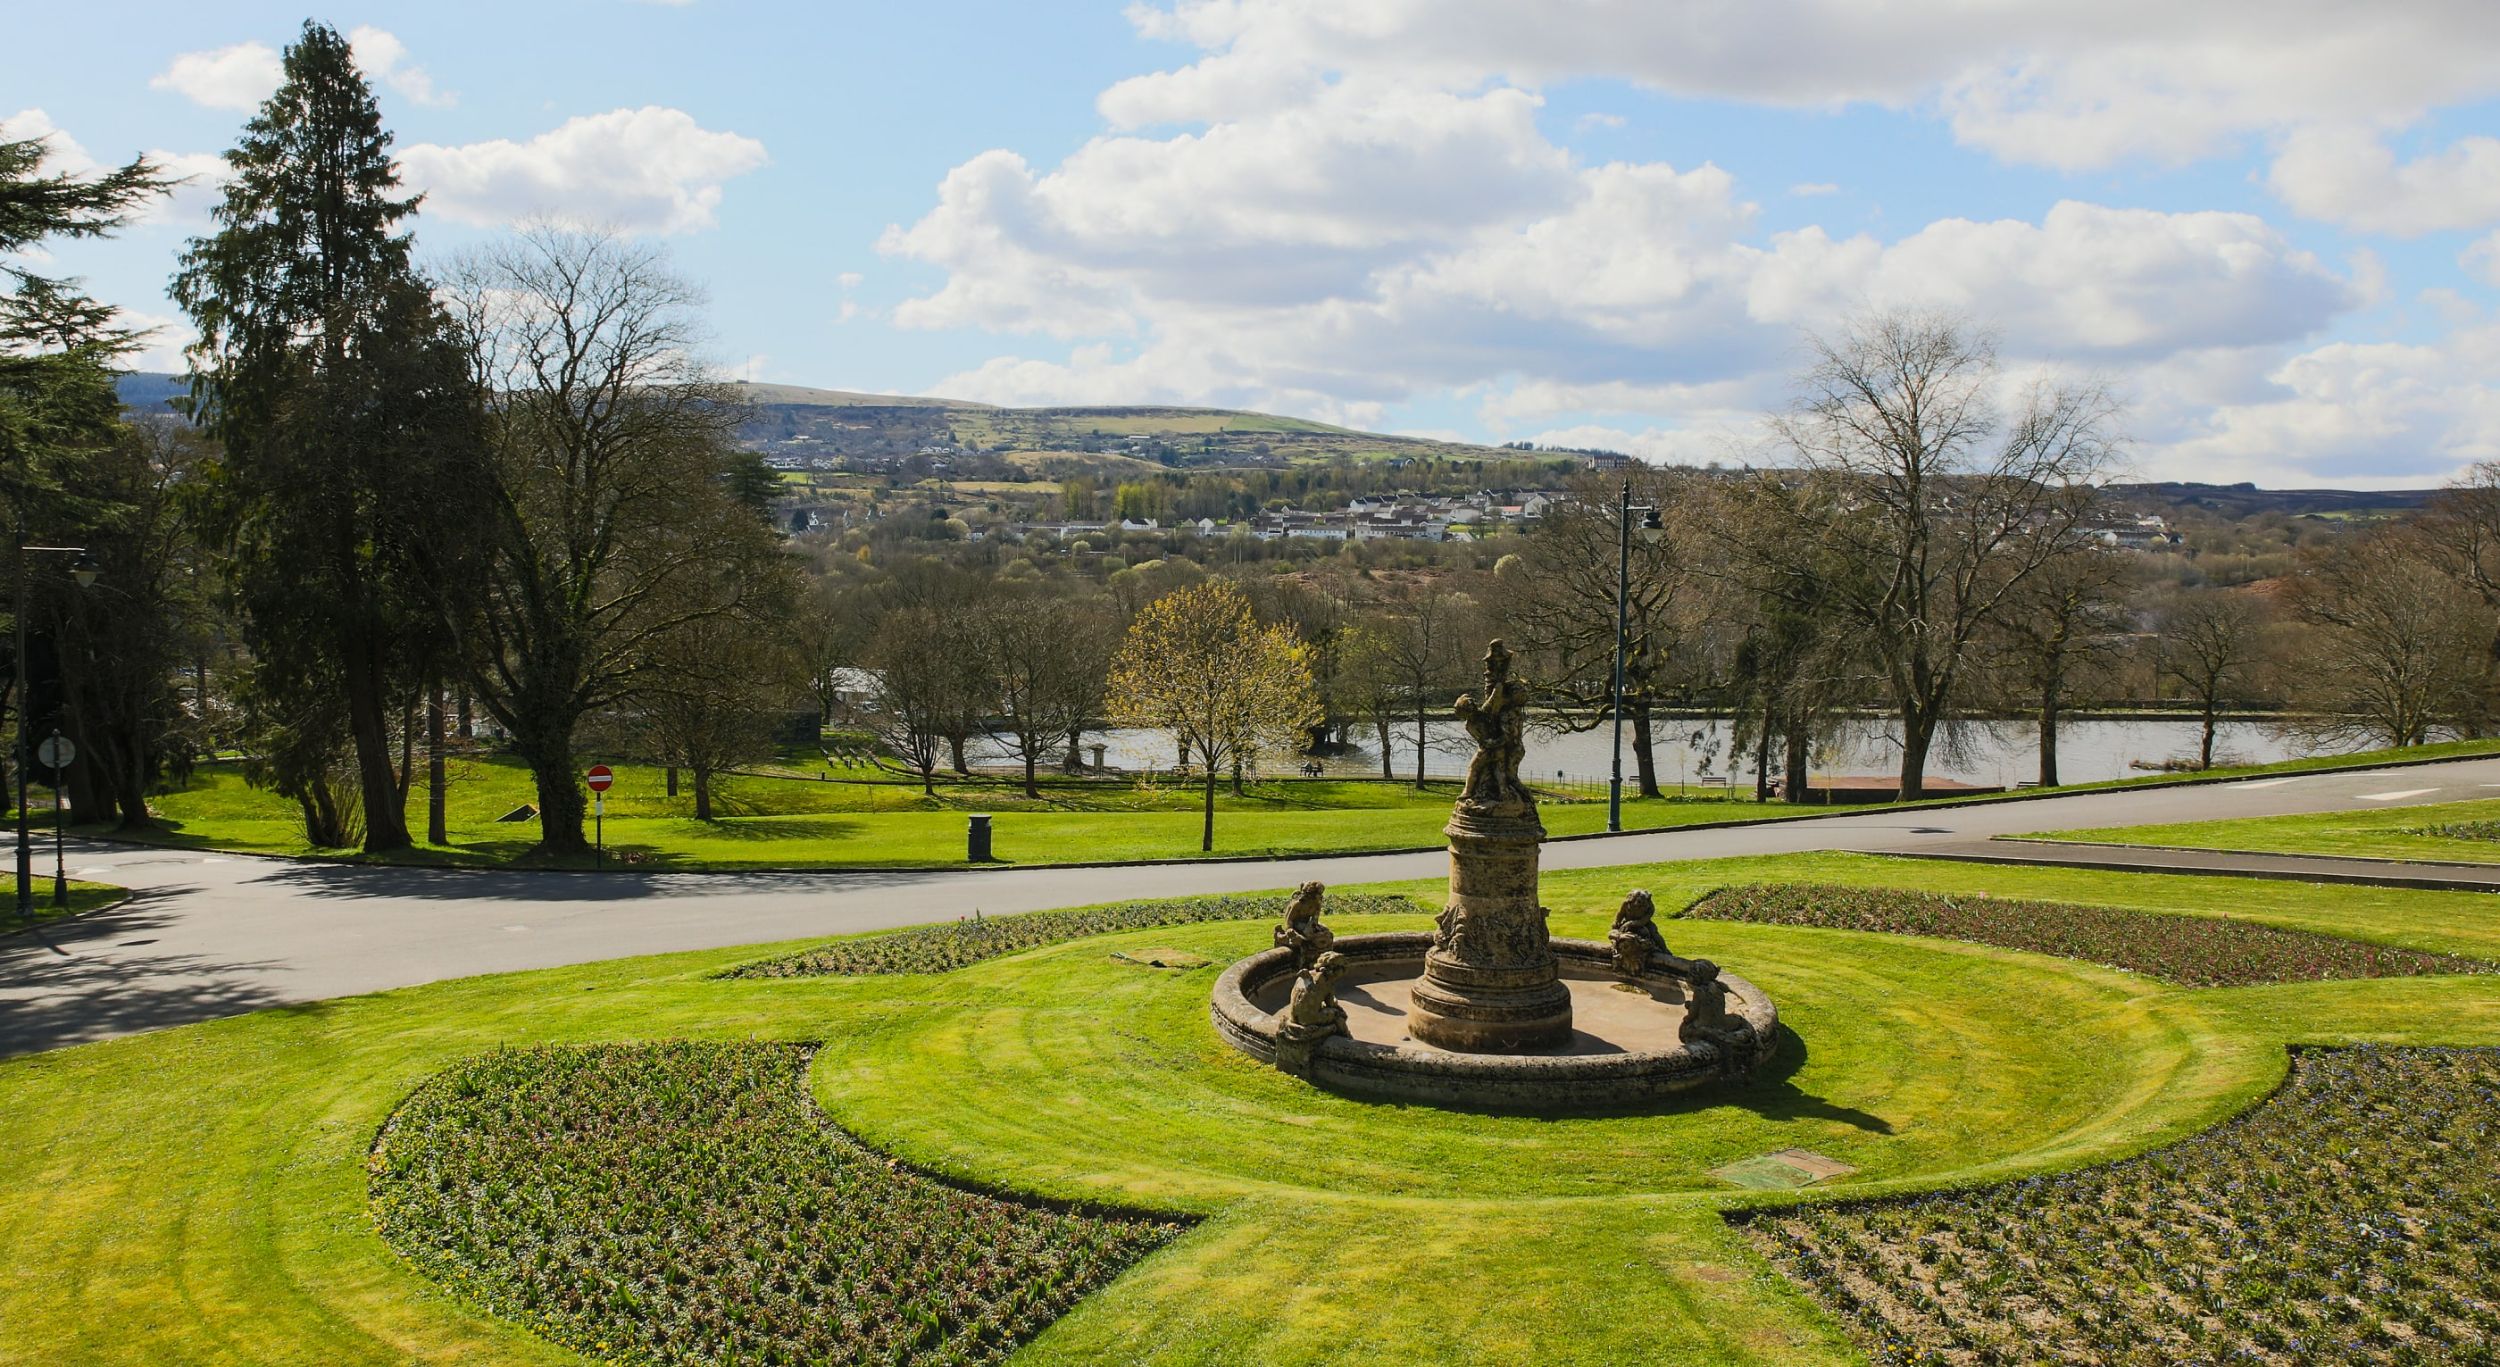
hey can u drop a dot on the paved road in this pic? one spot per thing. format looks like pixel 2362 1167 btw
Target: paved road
pixel 210 935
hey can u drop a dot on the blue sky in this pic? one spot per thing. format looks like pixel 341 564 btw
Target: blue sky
pixel 2274 226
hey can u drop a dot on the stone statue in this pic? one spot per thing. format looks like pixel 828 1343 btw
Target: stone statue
pixel 1497 722
pixel 1706 1018
pixel 1302 932
pixel 1635 937
pixel 1311 1015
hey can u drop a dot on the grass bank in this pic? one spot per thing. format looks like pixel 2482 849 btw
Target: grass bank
pixel 2442 832
pixel 200 1194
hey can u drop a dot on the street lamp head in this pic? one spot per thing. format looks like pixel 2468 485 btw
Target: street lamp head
pixel 1652 530
pixel 85 570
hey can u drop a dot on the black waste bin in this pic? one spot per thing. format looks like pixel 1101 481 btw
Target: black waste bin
pixel 977 840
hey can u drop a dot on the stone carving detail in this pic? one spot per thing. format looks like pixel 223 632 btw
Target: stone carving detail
pixel 1497 722
pixel 1302 932
pixel 1635 937
pixel 1706 1018
pixel 1311 1015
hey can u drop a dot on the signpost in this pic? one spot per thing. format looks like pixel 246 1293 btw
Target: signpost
pixel 598 779
pixel 57 752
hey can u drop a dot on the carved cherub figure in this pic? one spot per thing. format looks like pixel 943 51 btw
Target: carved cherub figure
pixel 1706 1017
pixel 1312 1013
pixel 1302 932
pixel 1635 938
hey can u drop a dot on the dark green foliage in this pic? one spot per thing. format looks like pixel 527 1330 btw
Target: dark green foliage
pixel 938 949
pixel 2193 951
pixel 2354 1217
pixel 351 431
pixel 683 1202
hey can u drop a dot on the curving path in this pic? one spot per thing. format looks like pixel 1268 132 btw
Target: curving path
pixel 208 935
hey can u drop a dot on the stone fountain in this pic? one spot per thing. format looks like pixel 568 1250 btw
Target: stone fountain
pixel 1488 1010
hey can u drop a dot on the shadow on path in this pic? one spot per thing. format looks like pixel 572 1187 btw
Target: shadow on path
pixel 58 989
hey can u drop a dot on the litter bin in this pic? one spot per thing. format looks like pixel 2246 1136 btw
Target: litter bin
pixel 977 839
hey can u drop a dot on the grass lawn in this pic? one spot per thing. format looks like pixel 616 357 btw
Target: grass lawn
pixel 786 817
pixel 791 822
pixel 83 898
pixel 2449 832
pixel 200 1194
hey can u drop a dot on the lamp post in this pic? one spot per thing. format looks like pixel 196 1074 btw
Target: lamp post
pixel 84 571
pixel 1651 530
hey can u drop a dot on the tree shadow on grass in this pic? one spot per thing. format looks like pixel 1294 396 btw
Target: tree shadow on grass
pixel 357 881
pixel 72 981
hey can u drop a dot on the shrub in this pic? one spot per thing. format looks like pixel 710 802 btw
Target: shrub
pixel 2193 951
pixel 683 1202
pixel 938 949
pixel 2461 830
pixel 2353 1217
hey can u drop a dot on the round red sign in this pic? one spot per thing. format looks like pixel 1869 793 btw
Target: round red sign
pixel 599 778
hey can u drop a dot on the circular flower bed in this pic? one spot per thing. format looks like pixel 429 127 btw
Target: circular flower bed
pixel 683 1202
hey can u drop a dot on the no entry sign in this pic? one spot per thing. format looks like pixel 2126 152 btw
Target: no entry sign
pixel 599 778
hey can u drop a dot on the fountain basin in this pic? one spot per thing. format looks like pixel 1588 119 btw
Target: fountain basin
pixel 1623 1049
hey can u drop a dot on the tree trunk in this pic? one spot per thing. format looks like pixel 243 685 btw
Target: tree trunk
pixel 1644 757
pixel 702 792
pixel 1762 757
pixel 955 754
pixel 1388 764
pixel 2205 743
pixel 1419 740
pixel 1918 732
pixel 1206 837
pixel 437 824
pixel 1076 761
pixel 1795 784
pixel 672 780
pixel 2048 738
pixel 1237 778
pixel 1031 789
pixel 386 820
pixel 549 755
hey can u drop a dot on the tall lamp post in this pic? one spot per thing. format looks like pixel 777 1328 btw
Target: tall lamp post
pixel 84 570
pixel 1651 530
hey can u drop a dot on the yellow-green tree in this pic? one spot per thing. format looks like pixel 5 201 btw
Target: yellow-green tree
pixel 1198 664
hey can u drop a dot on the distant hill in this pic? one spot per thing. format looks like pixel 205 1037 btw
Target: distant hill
pixel 150 392
pixel 2235 501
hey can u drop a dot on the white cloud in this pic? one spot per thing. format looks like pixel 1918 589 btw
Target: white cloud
pixel 2352 177
pixel 238 76
pixel 648 170
pixel 2381 413
pixel 383 58
pixel 2483 259
pixel 241 75
pixel 1586 122
pixel 1809 189
pixel 849 280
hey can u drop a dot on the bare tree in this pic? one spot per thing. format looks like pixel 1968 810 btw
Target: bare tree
pixel 615 522
pixel 717 691
pixel 1421 630
pixel 1557 602
pixel 1946 503
pixel 1045 660
pixel 2212 644
pixel 917 659
pixel 2062 626
pixel 2395 645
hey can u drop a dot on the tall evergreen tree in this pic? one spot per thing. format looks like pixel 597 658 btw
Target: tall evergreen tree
pixel 343 403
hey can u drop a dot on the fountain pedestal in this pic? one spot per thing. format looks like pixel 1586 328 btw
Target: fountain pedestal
pixel 1491 984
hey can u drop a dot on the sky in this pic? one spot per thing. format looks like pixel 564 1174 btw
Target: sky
pixel 2273 226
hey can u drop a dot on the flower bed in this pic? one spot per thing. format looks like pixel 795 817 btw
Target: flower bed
pixel 684 1202
pixel 2354 1217
pixel 2193 951
pixel 937 949
pixel 2461 830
